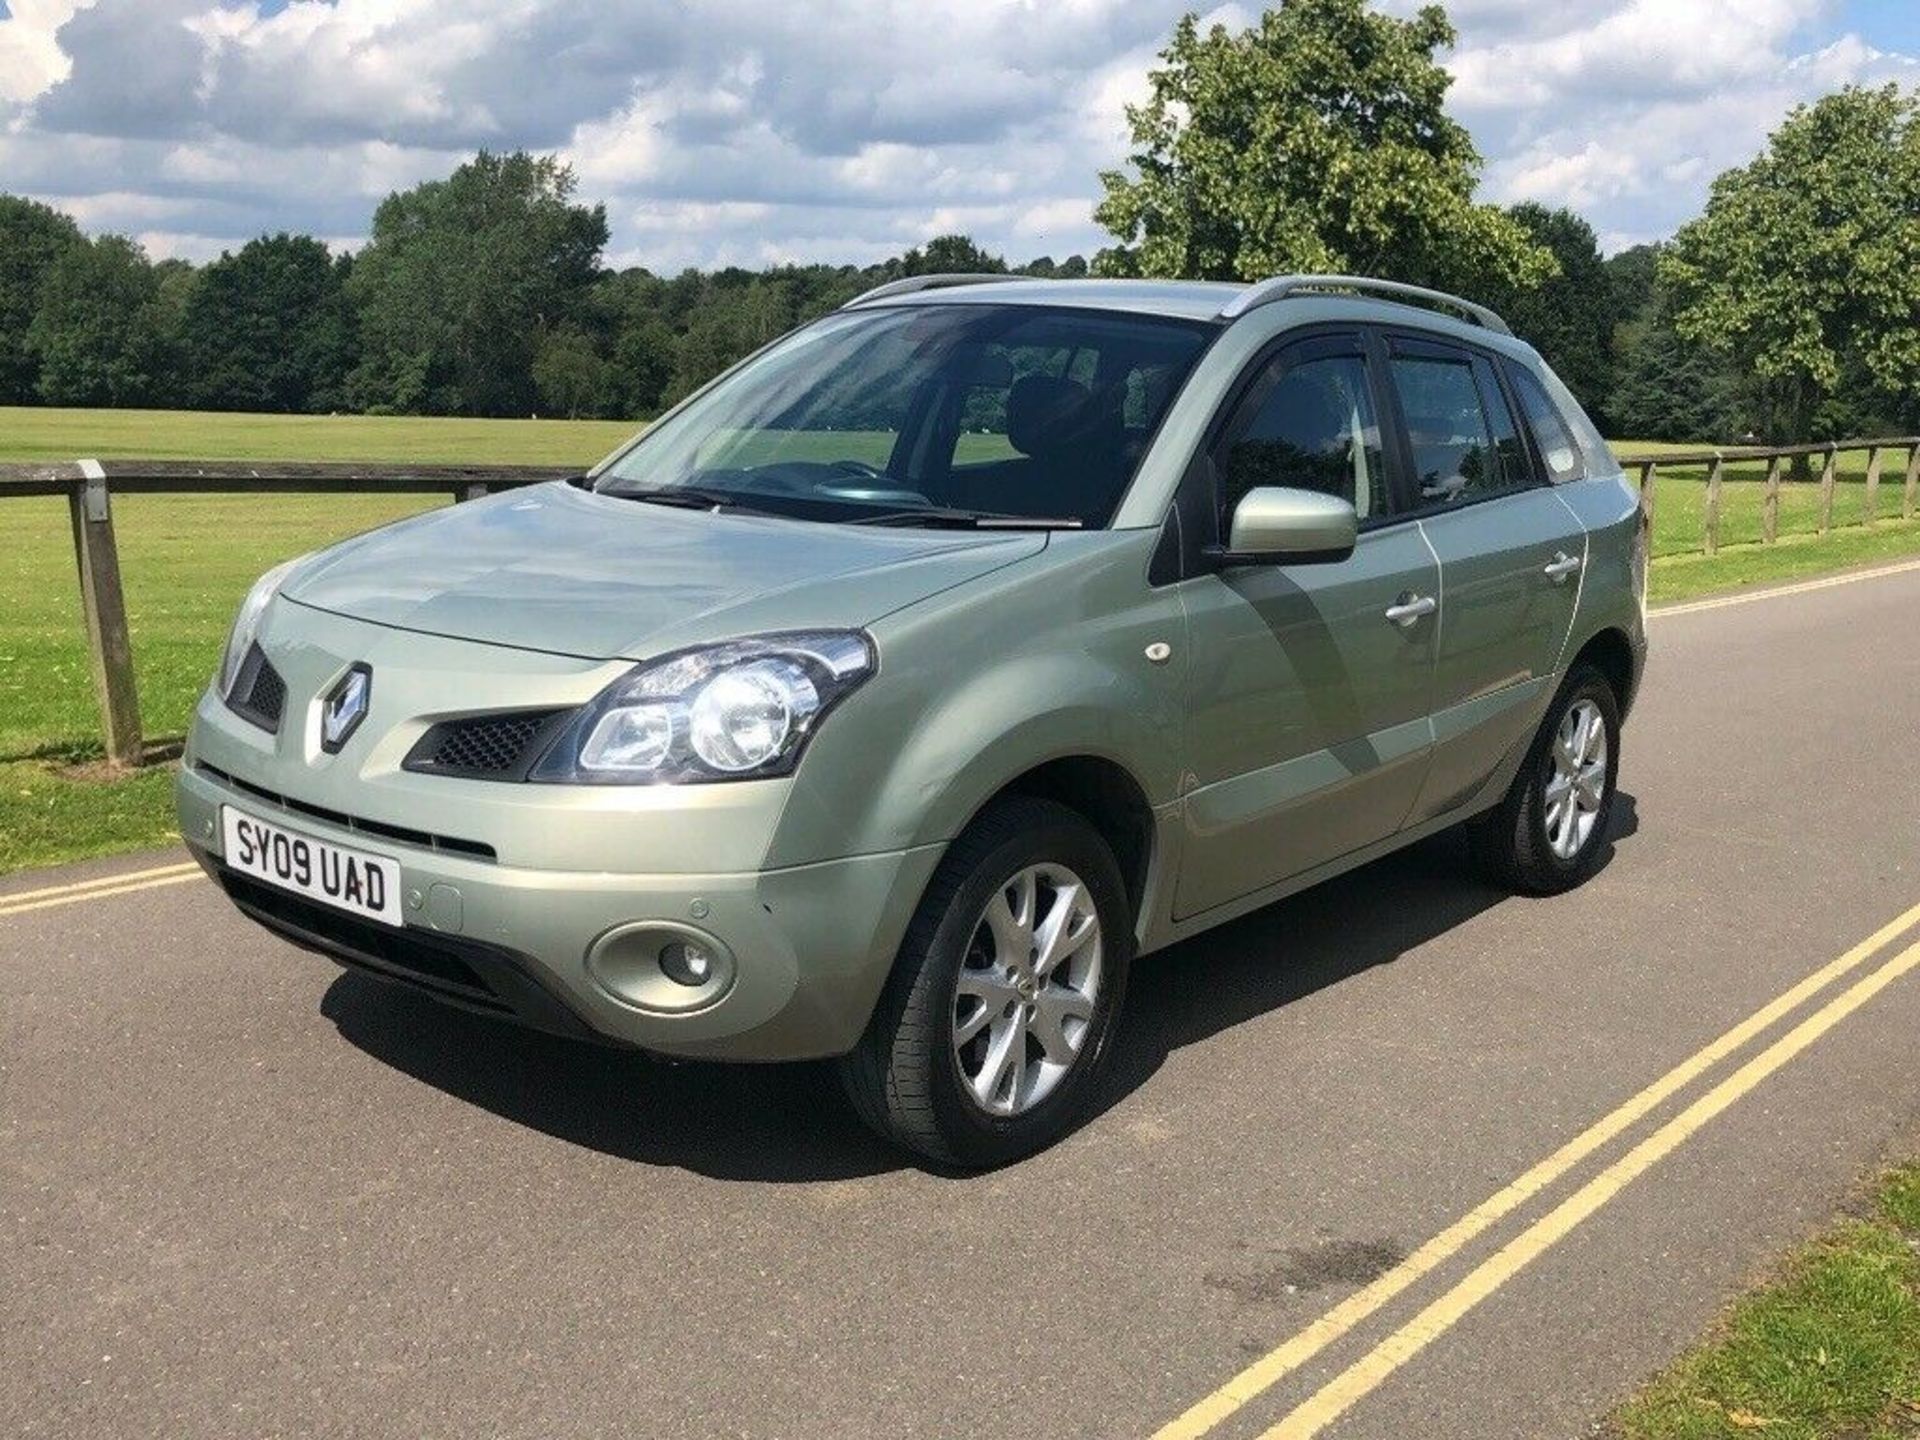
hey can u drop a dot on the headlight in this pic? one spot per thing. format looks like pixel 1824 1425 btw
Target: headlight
pixel 247 624
pixel 734 711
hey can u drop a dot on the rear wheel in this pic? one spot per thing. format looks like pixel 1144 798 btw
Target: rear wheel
pixel 1550 832
pixel 992 1035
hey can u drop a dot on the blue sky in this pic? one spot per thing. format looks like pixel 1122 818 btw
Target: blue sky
pixel 753 131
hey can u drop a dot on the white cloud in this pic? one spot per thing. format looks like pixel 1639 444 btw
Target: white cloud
pixel 750 131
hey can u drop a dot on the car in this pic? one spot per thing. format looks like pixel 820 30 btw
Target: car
pixel 890 695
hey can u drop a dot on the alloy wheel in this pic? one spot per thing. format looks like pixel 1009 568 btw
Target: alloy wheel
pixel 1024 1001
pixel 1576 786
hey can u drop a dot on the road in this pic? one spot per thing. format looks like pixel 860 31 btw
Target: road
pixel 243 1193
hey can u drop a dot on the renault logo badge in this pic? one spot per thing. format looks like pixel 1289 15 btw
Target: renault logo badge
pixel 345 707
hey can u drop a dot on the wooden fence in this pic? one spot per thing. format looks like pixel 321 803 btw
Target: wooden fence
pixel 1648 467
pixel 89 486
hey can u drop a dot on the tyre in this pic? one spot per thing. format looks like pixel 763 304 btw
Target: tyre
pixel 992 1035
pixel 1550 832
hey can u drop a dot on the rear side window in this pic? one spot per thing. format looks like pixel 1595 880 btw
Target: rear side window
pixel 1309 424
pixel 1557 447
pixel 1462 441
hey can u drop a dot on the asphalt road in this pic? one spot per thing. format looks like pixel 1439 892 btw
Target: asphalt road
pixel 243 1193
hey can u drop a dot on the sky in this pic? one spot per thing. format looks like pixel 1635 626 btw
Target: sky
pixel 754 132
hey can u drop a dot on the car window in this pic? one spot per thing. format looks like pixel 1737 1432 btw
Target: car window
pixel 1015 409
pixel 1550 432
pixel 1457 454
pixel 1310 424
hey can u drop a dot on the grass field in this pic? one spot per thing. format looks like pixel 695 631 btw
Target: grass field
pixel 1830 1350
pixel 187 559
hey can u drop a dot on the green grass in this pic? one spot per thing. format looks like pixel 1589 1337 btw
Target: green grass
pixel 1829 1349
pixel 1680 498
pixel 187 559
pixel 46 434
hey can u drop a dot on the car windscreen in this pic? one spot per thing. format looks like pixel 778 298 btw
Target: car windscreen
pixel 992 410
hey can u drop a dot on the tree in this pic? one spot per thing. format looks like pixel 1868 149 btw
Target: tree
pixel 1810 256
pixel 1314 141
pixel 32 238
pixel 1569 317
pixel 569 374
pixel 270 328
pixel 463 279
pixel 951 255
pixel 100 335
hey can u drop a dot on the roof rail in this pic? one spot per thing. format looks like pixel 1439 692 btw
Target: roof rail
pixel 1282 287
pixel 915 283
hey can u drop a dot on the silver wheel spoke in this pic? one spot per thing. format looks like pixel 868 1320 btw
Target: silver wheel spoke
pixel 998 1083
pixel 1052 1012
pixel 1068 926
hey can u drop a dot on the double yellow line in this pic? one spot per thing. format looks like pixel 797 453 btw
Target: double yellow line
pixel 125 884
pixel 1339 1394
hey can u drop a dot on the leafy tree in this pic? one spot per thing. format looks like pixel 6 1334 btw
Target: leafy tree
pixel 951 255
pixel 101 332
pixel 270 328
pixel 568 373
pixel 1810 256
pixel 462 280
pixel 1570 317
pixel 1314 141
pixel 644 359
pixel 32 238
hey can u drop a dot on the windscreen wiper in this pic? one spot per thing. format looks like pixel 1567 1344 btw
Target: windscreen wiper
pixel 692 497
pixel 968 519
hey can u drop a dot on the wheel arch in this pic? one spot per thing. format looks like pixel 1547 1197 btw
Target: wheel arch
pixel 1611 653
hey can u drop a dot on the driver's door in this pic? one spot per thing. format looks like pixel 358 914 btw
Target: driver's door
pixel 1308 732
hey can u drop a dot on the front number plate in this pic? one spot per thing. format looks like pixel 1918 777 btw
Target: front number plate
pixel 332 874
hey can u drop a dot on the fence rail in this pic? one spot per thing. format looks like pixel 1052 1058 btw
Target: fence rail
pixel 89 486
pixel 1776 457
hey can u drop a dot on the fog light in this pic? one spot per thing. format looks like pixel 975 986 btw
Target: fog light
pixel 662 966
pixel 686 963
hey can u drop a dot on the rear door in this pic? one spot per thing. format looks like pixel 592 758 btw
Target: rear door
pixel 1510 554
pixel 1307 718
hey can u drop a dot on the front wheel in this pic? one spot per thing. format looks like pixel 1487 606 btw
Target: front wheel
pixel 992 1035
pixel 1550 832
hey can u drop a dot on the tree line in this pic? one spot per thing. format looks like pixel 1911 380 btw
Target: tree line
pixel 1315 140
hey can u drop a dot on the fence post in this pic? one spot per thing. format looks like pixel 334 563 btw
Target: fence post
pixel 1913 481
pixel 1647 472
pixel 1827 477
pixel 1713 504
pixel 108 642
pixel 1770 524
pixel 1873 484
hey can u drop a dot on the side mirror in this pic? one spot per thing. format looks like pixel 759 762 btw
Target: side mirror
pixel 1276 525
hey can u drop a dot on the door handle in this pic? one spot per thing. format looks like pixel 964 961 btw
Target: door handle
pixel 1409 608
pixel 1561 566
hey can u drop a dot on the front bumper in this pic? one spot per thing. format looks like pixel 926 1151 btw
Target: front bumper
pixel 811 944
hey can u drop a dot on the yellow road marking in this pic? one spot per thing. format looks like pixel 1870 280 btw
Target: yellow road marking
pixel 98 882
pixel 1334 1398
pixel 104 892
pixel 1775 592
pixel 1276 1364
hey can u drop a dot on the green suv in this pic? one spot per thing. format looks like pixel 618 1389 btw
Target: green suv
pixel 890 695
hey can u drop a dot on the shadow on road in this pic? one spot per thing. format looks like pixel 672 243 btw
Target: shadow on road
pixel 789 1124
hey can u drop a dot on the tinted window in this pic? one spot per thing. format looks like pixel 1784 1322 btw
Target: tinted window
pixel 1550 432
pixel 1310 425
pixel 1457 456
pixel 1508 449
pixel 1016 409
